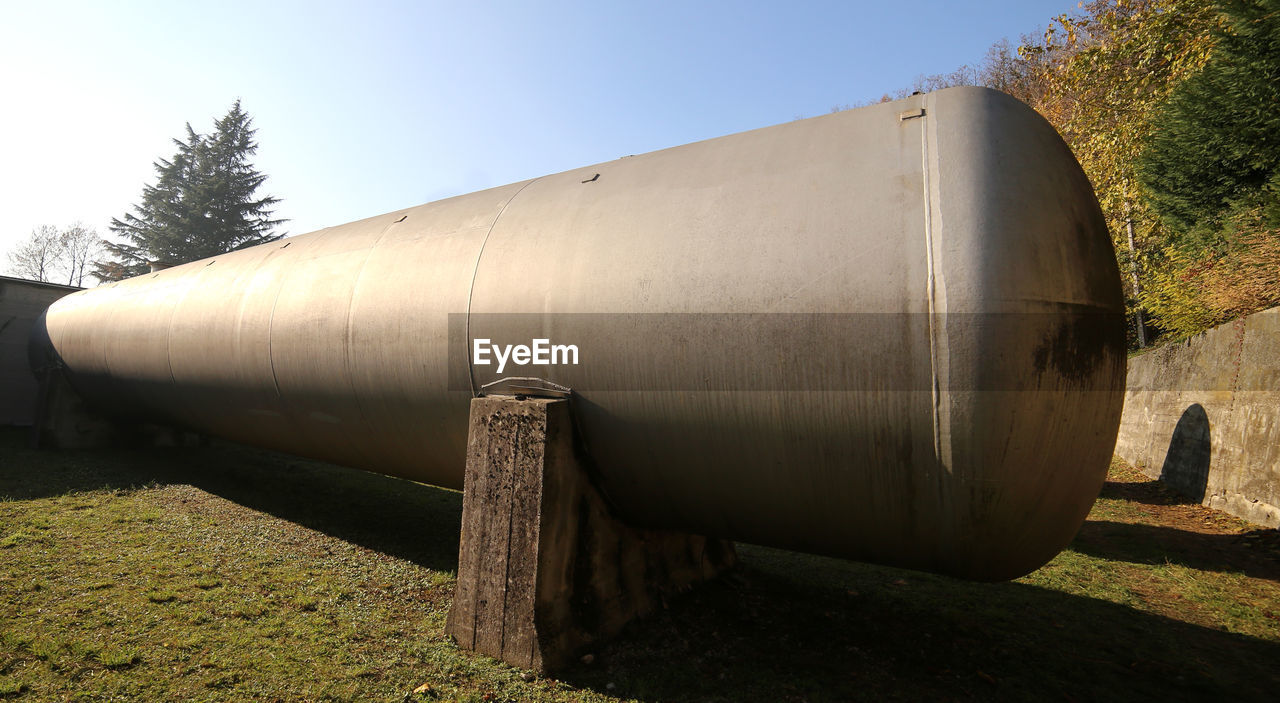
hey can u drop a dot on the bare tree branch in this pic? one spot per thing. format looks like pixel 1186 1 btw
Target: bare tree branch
pixel 38 257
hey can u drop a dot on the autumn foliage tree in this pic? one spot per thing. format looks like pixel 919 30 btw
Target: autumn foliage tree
pixel 1169 105
pixel 1105 72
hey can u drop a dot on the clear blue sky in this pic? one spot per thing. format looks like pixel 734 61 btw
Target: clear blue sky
pixel 362 108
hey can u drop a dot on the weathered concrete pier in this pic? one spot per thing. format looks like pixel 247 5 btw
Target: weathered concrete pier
pixel 545 568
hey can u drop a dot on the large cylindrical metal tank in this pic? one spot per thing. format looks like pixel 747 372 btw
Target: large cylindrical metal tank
pixel 892 334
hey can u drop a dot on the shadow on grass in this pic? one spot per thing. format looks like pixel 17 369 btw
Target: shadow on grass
pixel 794 627
pixel 785 626
pixel 401 518
pixel 1252 553
pixel 1151 492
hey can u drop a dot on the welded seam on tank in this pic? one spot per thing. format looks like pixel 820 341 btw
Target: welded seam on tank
pixel 275 302
pixel 104 346
pixel 937 297
pixel 475 271
pixel 173 314
pixel 362 414
pixel 168 335
pixel 245 303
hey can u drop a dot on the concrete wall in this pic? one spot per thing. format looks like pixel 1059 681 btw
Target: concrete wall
pixel 21 303
pixel 1204 416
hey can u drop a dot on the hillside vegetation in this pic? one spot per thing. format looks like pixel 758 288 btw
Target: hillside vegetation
pixel 1170 107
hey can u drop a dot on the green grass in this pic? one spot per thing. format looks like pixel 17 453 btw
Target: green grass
pixel 219 573
pixel 119 657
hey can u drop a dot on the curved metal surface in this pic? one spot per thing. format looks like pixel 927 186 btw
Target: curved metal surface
pixel 907 318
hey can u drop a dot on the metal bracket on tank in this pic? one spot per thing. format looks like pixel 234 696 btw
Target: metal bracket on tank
pixel 527 386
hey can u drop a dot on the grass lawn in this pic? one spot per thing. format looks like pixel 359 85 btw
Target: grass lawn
pixel 222 573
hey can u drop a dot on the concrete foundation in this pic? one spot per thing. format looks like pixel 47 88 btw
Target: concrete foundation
pixel 544 569
pixel 63 420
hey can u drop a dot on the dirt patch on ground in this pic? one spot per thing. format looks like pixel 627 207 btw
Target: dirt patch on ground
pixel 1182 531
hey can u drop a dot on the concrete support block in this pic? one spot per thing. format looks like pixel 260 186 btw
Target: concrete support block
pixel 64 421
pixel 544 569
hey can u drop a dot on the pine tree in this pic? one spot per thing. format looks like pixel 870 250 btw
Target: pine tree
pixel 1216 142
pixel 203 203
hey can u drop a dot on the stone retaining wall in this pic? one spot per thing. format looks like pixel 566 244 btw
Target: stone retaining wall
pixel 1204 416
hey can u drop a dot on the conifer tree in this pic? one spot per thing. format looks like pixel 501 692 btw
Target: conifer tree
pixel 1216 142
pixel 202 203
